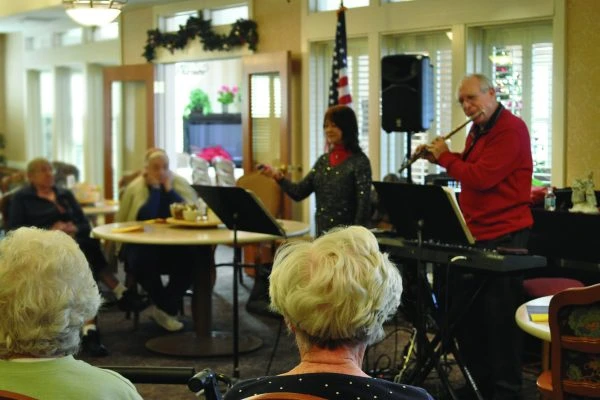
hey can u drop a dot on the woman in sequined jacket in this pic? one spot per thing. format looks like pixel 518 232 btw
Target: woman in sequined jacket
pixel 340 179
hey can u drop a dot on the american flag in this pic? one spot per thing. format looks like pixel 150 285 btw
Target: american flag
pixel 339 91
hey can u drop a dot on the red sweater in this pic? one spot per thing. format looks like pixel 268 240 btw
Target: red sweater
pixel 495 178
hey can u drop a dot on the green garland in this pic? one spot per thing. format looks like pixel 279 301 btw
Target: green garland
pixel 243 31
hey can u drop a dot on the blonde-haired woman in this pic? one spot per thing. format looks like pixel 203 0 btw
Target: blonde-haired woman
pixel 46 295
pixel 334 294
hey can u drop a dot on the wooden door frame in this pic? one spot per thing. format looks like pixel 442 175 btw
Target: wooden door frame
pixel 125 73
pixel 277 62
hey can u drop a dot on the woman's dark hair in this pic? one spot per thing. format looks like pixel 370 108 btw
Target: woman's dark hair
pixel 344 118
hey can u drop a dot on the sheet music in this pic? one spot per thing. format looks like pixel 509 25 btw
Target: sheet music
pixel 454 202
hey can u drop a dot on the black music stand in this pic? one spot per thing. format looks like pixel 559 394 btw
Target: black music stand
pixel 240 210
pixel 435 207
pixel 427 213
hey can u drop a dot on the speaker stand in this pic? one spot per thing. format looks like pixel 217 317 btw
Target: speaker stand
pixel 408 155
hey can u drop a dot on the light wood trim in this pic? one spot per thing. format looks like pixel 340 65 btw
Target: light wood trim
pixel 280 63
pixel 125 73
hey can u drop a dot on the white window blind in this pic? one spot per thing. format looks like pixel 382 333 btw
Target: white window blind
pixel 265 108
pixel 519 61
pixel 358 82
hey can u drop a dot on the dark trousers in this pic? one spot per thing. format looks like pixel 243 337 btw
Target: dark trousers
pixel 489 339
pixel 148 262
pixel 92 251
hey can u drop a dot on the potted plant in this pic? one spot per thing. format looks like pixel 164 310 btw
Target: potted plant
pixel 227 95
pixel 199 103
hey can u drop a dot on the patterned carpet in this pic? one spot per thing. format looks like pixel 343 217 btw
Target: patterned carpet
pixel 127 347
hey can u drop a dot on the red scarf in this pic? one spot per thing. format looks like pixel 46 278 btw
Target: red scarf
pixel 338 155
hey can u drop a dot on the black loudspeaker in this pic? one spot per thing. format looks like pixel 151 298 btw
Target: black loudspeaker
pixel 406 93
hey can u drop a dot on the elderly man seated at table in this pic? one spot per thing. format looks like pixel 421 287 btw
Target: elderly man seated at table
pixel 44 205
pixel 149 196
pixel 334 294
pixel 46 295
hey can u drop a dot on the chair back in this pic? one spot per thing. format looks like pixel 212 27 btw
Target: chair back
pixel 224 171
pixel 62 170
pixel 574 317
pixel 12 181
pixel 200 168
pixel 5 207
pixel 284 396
pixel 14 396
pixel 126 180
pixel 265 188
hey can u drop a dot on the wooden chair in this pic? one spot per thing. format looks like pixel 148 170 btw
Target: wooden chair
pixel 574 317
pixel 62 170
pixel 12 181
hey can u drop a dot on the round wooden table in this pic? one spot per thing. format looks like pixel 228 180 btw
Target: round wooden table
pixel 106 207
pixel 540 330
pixel 203 341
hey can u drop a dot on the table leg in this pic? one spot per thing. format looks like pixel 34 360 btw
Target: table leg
pixel 202 341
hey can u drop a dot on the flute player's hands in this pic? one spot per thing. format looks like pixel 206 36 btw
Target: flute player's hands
pixel 424 152
pixel 437 147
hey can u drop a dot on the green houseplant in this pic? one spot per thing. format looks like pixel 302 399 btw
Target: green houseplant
pixel 199 103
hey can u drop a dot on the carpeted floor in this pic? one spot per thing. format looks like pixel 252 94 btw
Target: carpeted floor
pixel 127 347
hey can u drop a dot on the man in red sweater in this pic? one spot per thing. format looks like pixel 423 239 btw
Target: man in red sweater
pixel 495 171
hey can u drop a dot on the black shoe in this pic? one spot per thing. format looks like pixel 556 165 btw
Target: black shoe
pixel 90 344
pixel 132 301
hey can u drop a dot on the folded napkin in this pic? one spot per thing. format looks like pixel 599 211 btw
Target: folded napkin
pixel 539 317
pixel 129 229
pixel 538 313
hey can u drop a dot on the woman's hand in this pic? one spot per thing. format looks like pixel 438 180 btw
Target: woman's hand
pixel 167 181
pixel 269 171
pixel 67 227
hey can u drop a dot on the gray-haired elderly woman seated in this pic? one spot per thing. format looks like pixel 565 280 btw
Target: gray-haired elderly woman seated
pixel 335 294
pixel 47 292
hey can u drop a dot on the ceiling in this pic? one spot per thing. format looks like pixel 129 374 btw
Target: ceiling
pixel 44 19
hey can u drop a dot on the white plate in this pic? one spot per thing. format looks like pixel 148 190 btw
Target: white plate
pixel 193 224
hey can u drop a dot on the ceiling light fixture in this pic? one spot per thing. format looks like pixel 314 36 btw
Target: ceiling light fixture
pixel 93 12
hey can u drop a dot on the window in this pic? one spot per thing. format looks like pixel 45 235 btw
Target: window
pixel 105 32
pixel 227 15
pixel 70 37
pixel 77 118
pixel 328 5
pixel 519 61
pixel 265 103
pixel 394 149
pixel 47 109
pixel 173 22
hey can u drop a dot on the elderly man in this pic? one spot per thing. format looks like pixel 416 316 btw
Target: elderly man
pixel 495 171
pixel 44 205
pixel 47 293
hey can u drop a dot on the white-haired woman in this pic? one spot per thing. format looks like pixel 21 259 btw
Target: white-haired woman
pixel 46 295
pixel 334 294
pixel 149 196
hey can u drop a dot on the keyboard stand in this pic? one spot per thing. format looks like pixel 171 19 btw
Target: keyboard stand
pixel 429 353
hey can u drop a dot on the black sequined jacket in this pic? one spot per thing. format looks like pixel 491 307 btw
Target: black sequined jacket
pixel 342 192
